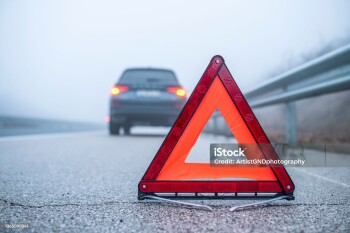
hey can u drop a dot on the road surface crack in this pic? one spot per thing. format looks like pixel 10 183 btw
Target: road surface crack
pixel 15 204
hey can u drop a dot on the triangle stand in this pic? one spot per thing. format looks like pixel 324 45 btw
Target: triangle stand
pixel 206 207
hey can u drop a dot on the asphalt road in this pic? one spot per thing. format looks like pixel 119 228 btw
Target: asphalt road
pixel 87 182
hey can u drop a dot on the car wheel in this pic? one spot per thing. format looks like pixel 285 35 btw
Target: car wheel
pixel 127 129
pixel 113 128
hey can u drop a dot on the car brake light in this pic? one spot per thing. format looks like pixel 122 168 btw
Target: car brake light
pixel 177 90
pixel 118 89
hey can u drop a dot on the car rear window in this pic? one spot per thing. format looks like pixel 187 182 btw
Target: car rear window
pixel 148 76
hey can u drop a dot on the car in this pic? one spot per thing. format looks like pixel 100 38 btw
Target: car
pixel 145 96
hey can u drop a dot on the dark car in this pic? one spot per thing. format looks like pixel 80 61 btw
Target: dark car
pixel 145 97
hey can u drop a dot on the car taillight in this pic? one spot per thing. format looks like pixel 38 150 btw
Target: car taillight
pixel 177 90
pixel 118 89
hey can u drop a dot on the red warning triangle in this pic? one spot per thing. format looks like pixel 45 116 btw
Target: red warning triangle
pixel 169 173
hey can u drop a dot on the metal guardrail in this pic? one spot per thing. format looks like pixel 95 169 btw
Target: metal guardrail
pixel 326 74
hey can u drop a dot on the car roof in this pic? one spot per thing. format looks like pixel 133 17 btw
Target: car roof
pixel 148 68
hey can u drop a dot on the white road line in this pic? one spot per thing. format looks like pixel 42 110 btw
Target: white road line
pixel 325 178
pixel 51 135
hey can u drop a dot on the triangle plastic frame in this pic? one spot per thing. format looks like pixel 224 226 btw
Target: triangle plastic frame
pixel 214 188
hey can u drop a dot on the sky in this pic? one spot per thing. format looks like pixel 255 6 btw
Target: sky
pixel 59 59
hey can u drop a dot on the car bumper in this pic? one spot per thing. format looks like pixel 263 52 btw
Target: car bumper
pixel 144 116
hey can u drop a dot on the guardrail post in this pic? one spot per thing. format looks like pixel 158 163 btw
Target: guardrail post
pixel 291 123
pixel 227 131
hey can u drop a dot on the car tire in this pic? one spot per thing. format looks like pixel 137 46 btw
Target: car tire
pixel 127 129
pixel 113 129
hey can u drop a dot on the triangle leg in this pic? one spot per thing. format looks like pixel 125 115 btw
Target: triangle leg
pixel 259 203
pixel 177 202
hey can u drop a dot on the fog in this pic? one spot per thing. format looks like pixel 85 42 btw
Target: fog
pixel 59 59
